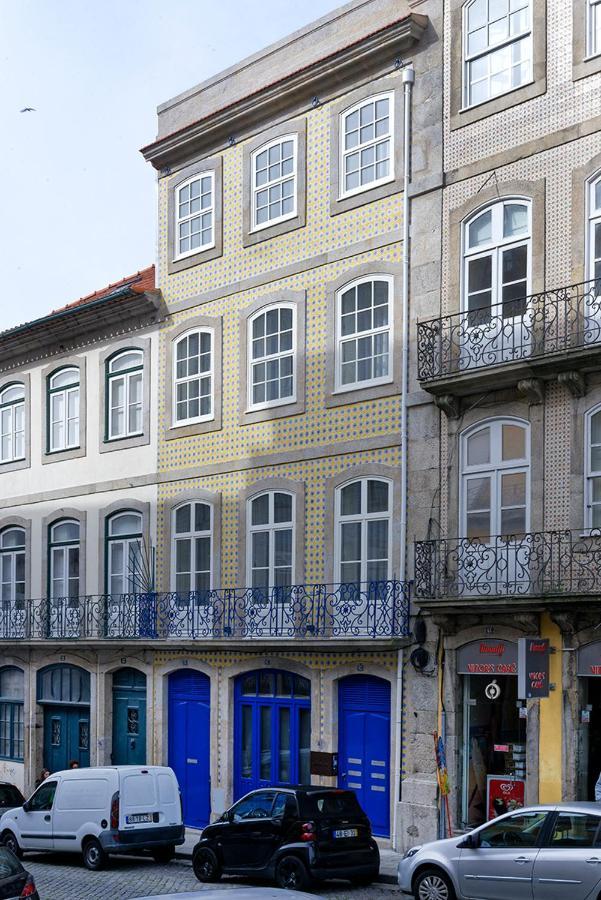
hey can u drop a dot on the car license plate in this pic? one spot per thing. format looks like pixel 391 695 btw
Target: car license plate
pixel 346 833
pixel 138 818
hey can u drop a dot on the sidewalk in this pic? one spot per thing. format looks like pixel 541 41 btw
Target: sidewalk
pixel 389 859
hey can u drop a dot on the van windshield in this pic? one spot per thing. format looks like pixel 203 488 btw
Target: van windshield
pixel 333 804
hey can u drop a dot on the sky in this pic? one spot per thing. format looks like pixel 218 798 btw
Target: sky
pixel 77 199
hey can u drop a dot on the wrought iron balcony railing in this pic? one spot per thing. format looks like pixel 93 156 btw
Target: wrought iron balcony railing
pixel 564 319
pixel 543 563
pixel 378 609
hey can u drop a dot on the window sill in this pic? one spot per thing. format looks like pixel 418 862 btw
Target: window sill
pixel 372 186
pixel 55 456
pixel 466 115
pixel 273 223
pixel 14 465
pixel 252 415
pixel 110 445
pixel 196 252
pixel 175 432
pixel 340 397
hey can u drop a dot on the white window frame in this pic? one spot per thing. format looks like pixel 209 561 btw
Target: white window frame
pixel 12 406
pixel 210 373
pixel 343 153
pixel 126 376
pixel 210 174
pixel 256 189
pixel 191 536
pixel 61 559
pixel 11 553
pixel 593 215
pixel 494 248
pixel 494 469
pixel 589 473
pixel 363 518
pixel 132 539
pixel 593 14
pixel 283 401
pixel 66 392
pixel 340 339
pixel 271 527
pixel 468 58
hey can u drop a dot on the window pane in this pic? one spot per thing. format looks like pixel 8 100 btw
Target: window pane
pixel 304 746
pixel 350 499
pixel 514 442
pixel 574 831
pixel 522 830
pixel 377 540
pixel 478 526
pixel 284 745
pixel 282 507
pixel 513 489
pixel 125 523
pixel 183 555
pixel 480 230
pixel 350 549
pixel 377 496
pixel 66 531
pixel 182 519
pixel 265 765
pixel 478 493
pixel 513 522
pixel 202 517
pixel 478 448
pixel 247 741
pixel 480 275
pixel 260 550
pixel 260 510
pixel 515 219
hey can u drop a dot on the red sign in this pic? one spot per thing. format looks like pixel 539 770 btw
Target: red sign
pixel 487 657
pixel 533 668
pixel 504 794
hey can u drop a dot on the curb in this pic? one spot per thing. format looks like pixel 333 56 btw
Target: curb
pixel 381 879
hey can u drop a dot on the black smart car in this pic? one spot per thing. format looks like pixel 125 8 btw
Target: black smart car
pixel 10 796
pixel 15 881
pixel 292 835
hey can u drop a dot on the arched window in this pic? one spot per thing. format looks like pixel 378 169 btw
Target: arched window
pixel 497 251
pixel 192 530
pixel 12 694
pixel 270 540
pixel 64 559
pixel 125 379
pixel 593 27
pixel 124 565
pixel 367 144
pixel 593 253
pixel 12 423
pixel 363 519
pixel 272 356
pixel 273 168
pixel 195 215
pixel 364 332
pixel 592 470
pixel 497 48
pixel 495 480
pixel 63 410
pixel 12 564
pixel 193 377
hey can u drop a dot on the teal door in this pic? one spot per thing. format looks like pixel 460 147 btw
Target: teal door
pixel 66 736
pixel 129 718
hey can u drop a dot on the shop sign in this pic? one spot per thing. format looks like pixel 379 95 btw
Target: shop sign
pixel 504 794
pixel 589 660
pixel 533 668
pixel 488 657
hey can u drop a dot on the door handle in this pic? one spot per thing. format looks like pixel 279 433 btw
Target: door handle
pixel 521 859
pixel 593 860
pixel 46 818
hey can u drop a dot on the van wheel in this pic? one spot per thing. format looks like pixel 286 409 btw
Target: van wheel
pixel 206 865
pixel 164 854
pixel 291 874
pixel 433 884
pixel 94 857
pixel 10 841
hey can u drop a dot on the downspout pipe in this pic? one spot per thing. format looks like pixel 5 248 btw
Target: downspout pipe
pixel 408 77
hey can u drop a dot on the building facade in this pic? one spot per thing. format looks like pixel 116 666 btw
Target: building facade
pixel 511 358
pixel 78 497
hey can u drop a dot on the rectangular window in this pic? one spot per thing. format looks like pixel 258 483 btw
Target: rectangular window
pixel 364 325
pixel 271 353
pixel 497 40
pixel 593 29
pixel 195 215
pixel 193 377
pixel 274 182
pixel 367 150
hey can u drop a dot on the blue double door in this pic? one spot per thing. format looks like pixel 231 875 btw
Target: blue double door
pixel 364 745
pixel 66 736
pixel 189 742
pixel 129 718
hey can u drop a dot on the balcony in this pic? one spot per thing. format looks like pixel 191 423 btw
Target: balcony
pixel 543 564
pixel 377 610
pixel 539 336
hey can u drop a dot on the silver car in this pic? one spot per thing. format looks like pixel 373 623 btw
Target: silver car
pixel 538 853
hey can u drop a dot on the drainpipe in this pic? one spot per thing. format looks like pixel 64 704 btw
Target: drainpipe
pixel 408 81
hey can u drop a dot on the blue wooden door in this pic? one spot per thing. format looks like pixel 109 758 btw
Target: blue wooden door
pixel 364 745
pixel 129 718
pixel 189 742
pixel 66 736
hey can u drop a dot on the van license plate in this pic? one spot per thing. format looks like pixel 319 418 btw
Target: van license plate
pixel 346 833
pixel 138 818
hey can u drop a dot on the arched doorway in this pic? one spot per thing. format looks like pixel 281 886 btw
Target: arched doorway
pixel 272 730
pixel 364 745
pixel 190 743
pixel 64 694
pixel 129 718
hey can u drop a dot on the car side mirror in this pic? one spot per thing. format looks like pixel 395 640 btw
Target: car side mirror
pixel 227 816
pixel 26 806
pixel 470 842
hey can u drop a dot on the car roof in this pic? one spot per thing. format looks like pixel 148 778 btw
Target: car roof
pixel 576 806
pixel 235 893
pixel 304 789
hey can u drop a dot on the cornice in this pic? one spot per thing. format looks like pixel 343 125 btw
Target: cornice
pixel 264 105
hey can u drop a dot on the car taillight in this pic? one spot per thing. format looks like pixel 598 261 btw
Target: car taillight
pixel 308 831
pixel 115 811
pixel 29 889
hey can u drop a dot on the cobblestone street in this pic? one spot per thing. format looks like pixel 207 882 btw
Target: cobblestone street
pixel 64 878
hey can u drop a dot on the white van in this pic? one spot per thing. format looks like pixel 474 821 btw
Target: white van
pixel 109 809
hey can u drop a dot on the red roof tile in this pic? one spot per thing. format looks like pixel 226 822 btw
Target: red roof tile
pixel 140 282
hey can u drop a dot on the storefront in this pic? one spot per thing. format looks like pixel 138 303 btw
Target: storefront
pixel 493 745
pixel 589 683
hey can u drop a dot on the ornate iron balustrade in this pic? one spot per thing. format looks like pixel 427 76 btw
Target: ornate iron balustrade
pixel 379 609
pixel 543 563
pixel 567 318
